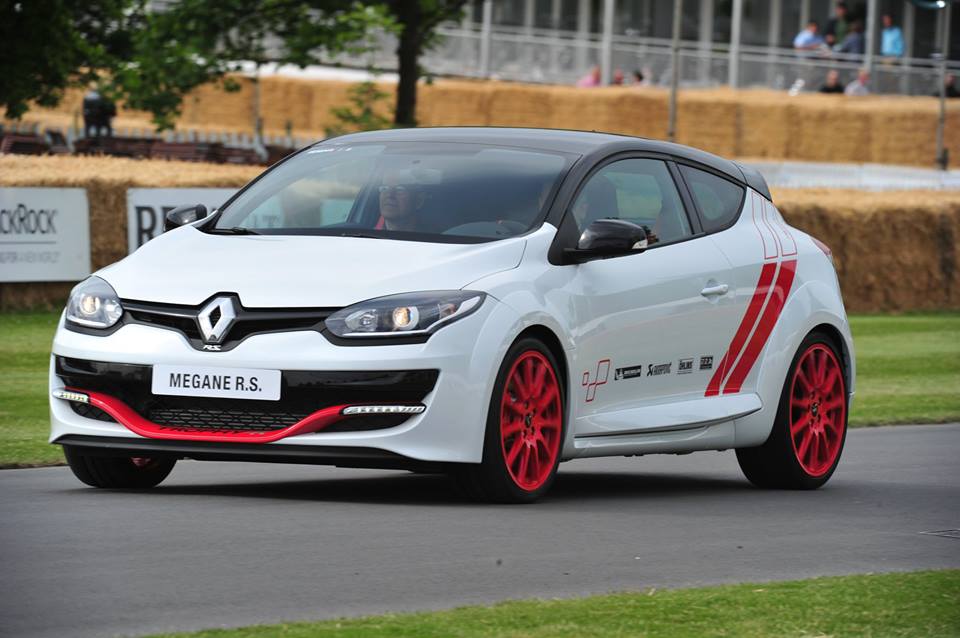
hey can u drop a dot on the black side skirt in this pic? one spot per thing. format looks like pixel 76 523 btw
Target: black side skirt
pixel 357 457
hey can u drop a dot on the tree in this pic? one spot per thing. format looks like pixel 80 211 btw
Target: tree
pixel 417 21
pixel 195 41
pixel 50 45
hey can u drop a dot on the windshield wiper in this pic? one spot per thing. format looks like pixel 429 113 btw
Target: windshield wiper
pixel 235 230
pixel 354 233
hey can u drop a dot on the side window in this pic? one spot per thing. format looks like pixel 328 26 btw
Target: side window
pixel 637 190
pixel 718 199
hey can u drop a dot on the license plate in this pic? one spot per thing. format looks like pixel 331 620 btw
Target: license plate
pixel 228 383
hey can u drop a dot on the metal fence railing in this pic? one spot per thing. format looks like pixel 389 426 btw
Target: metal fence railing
pixel 562 57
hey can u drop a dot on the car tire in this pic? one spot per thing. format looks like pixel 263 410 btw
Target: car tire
pixel 526 423
pixel 810 429
pixel 118 472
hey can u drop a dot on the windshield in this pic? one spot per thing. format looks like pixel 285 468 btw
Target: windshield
pixel 434 191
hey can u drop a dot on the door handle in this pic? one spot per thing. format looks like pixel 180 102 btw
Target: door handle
pixel 712 291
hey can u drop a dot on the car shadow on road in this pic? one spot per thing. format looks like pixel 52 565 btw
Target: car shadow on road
pixel 437 489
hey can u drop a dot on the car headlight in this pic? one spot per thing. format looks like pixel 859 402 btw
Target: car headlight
pixel 93 304
pixel 409 314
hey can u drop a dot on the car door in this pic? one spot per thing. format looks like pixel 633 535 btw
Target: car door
pixel 649 327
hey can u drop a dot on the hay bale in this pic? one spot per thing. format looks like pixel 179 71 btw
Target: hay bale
pixel 895 250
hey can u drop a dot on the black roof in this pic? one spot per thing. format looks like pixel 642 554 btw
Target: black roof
pixel 580 142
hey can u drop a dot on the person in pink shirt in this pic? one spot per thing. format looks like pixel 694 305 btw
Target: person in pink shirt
pixel 590 79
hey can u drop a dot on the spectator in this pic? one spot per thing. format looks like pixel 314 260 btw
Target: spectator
pixel 641 77
pixel 859 86
pixel 618 77
pixel 832 85
pixel 98 111
pixel 854 42
pixel 838 26
pixel 590 79
pixel 891 44
pixel 808 39
pixel 949 86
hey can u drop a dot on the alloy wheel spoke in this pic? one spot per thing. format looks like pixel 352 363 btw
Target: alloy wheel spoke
pixel 829 406
pixel 515 451
pixel 513 407
pixel 546 399
pixel 539 374
pixel 832 378
pixel 800 425
pixel 804 380
pixel 534 467
pixel 805 444
pixel 552 424
pixel 524 462
pixel 510 428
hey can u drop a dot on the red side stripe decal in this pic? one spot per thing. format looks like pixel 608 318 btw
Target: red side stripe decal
pixel 771 313
pixel 746 325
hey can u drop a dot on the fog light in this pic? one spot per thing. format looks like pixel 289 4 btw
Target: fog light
pixel 383 409
pixel 69 395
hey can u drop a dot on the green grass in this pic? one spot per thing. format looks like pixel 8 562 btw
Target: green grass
pixel 908 371
pixel 914 604
pixel 25 341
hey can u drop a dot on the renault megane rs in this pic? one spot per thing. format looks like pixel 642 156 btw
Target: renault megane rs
pixel 482 302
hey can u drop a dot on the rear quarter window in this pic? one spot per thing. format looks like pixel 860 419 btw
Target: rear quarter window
pixel 718 199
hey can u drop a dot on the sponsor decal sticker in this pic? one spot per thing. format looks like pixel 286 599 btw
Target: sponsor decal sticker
pixel 706 363
pixel 685 366
pixel 657 369
pixel 591 384
pixel 629 372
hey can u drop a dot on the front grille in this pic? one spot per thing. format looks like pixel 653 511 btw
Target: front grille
pixel 302 393
pixel 214 419
pixel 248 321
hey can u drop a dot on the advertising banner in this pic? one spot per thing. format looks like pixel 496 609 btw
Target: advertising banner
pixel 44 234
pixel 146 208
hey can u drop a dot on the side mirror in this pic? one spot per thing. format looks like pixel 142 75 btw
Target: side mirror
pixel 609 238
pixel 183 215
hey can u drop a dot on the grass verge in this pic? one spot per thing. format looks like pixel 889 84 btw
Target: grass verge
pixel 917 604
pixel 908 371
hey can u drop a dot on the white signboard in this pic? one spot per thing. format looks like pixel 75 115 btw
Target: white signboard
pixel 146 208
pixel 44 234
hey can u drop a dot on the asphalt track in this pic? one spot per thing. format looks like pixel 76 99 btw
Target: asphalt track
pixel 236 544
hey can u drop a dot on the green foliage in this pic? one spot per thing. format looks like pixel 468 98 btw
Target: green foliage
pixel 49 45
pixel 151 60
pixel 880 605
pixel 196 41
pixel 362 114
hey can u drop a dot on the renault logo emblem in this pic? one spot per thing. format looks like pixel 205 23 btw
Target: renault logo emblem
pixel 216 318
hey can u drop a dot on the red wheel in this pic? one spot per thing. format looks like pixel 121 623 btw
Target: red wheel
pixel 524 430
pixel 810 428
pixel 531 420
pixel 818 410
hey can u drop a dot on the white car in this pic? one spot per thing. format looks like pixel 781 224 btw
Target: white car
pixel 481 302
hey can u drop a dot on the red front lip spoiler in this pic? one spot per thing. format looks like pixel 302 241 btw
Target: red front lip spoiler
pixel 126 416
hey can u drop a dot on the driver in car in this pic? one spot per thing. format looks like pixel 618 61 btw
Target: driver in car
pixel 401 198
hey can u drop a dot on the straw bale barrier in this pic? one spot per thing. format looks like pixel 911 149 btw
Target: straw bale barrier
pixel 755 123
pixel 895 251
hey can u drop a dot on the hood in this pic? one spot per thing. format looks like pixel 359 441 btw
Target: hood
pixel 186 266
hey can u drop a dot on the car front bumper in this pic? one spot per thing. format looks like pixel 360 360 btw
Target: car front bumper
pixel 463 359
